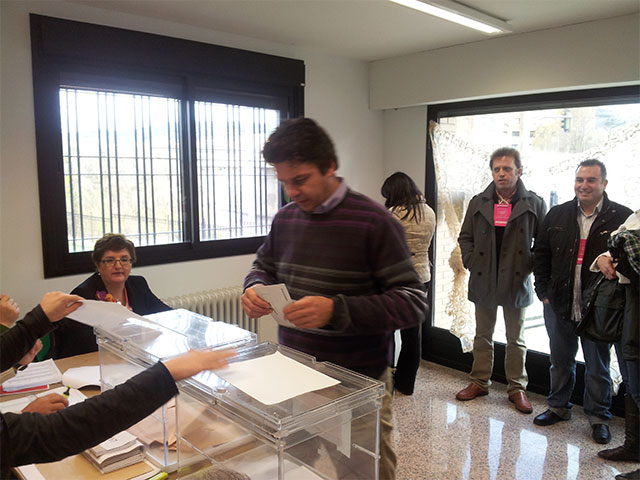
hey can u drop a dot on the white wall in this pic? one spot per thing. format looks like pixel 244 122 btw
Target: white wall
pixel 593 54
pixel 605 52
pixel 336 95
pixel 405 134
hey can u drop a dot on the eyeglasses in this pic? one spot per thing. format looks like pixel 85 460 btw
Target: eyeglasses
pixel 110 261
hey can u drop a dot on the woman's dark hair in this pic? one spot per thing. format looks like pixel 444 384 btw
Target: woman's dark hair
pixel 400 191
pixel 113 242
pixel 301 140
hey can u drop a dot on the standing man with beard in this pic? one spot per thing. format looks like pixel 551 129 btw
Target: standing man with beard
pixel 573 235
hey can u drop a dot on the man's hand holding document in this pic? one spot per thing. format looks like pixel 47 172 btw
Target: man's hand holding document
pixel 278 297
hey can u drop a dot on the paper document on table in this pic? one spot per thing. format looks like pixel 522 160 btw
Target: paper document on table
pixel 278 297
pixel 37 373
pixel 79 377
pixel 274 378
pixel 96 312
pixel 16 405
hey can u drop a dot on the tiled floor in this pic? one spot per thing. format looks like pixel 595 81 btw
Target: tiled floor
pixel 438 437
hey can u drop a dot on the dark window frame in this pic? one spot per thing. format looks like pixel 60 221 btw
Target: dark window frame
pixel 439 345
pixel 61 47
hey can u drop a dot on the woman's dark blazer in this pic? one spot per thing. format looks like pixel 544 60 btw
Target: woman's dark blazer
pixel 74 338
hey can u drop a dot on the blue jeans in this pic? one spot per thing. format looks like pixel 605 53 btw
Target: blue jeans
pixel 563 343
pixel 630 371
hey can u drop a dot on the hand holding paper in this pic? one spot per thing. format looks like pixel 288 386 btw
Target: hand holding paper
pixel 278 297
pixel 310 312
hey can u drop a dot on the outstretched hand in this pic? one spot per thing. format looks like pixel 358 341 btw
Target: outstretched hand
pixel 195 361
pixel 57 305
pixel 9 311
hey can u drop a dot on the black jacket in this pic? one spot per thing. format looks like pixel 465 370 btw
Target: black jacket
pixel 74 338
pixel 34 438
pixel 556 250
pixel 17 341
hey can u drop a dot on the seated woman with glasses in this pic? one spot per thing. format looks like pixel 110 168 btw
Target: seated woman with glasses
pixel 113 256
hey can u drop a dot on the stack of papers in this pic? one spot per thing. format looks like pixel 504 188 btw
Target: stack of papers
pixel 121 450
pixel 36 375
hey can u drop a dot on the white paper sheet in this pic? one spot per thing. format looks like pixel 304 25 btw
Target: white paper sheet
pixel 275 378
pixel 278 297
pixel 36 374
pixel 79 377
pixel 96 312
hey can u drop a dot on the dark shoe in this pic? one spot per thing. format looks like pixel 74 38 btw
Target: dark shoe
pixel 635 475
pixel 403 390
pixel 519 399
pixel 471 392
pixel 620 454
pixel 547 418
pixel 600 433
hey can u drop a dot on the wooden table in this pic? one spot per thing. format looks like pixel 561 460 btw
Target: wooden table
pixel 77 467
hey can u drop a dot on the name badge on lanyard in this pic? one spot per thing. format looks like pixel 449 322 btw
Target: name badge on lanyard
pixel 501 213
pixel 581 247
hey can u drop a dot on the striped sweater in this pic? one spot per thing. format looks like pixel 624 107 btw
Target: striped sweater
pixel 355 254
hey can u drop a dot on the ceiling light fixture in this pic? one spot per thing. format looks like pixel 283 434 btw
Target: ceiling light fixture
pixel 458 13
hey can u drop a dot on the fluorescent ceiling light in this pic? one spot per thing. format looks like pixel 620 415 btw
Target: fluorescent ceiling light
pixel 458 13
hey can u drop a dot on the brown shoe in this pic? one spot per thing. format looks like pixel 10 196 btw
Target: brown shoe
pixel 519 399
pixel 471 392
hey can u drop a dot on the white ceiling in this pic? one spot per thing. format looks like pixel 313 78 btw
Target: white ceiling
pixel 362 29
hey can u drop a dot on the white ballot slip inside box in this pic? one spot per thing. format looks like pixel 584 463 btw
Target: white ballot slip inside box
pixel 97 312
pixel 278 297
pixel 274 378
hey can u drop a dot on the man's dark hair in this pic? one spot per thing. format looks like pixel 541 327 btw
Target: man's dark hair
pixel 592 162
pixel 506 152
pixel 300 140
pixel 114 242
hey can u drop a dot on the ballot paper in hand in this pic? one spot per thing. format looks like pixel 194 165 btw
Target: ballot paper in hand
pixel 278 297
pixel 96 312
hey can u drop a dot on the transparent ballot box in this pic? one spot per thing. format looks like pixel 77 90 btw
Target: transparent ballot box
pixel 129 346
pixel 258 420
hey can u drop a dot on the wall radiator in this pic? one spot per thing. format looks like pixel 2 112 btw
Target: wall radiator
pixel 222 305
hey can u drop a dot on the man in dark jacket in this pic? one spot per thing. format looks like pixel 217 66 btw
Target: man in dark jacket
pixel 574 234
pixel 495 241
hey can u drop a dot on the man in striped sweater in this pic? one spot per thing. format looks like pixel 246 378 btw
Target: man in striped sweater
pixel 345 262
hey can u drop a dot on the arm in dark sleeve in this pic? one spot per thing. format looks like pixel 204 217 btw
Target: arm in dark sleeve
pixel 465 239
pixel 17 341
pixel 35 438
pixel 542 261
pixel 263 268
